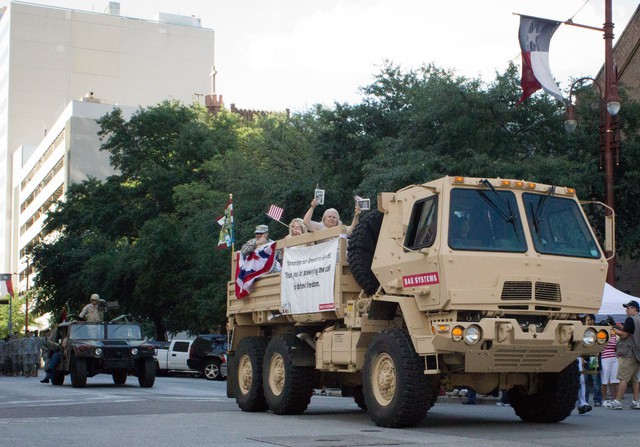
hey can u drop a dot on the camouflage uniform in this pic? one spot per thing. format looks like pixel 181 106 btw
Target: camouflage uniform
pixel 22 351
pixel 2 343
pixel 30 354
pixel 15 352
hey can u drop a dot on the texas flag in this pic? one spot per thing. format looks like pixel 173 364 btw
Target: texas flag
pixel 6 287
pixel 535 37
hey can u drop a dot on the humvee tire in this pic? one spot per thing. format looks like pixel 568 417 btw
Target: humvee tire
pixel 362 247
pixel 287 388
pixel 555 399
pixel 248 381
pixel 396 391
pixel 119 377
pixel 147 373
pixel 78 372
pixel 58 377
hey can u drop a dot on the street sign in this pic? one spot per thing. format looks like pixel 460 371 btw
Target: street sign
pixel 4 301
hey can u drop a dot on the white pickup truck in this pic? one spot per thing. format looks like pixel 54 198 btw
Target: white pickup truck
pixel 171 357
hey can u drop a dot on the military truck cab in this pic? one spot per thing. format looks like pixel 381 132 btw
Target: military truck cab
pixel 456 282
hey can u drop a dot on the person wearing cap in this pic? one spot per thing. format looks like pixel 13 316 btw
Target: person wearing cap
pixel 262 238
pixel 628 352
pixel 92 311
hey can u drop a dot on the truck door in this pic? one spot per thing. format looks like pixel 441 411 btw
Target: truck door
pixel 178 355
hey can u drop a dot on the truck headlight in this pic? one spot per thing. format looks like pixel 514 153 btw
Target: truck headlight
pixel 134 351
pixel 98 352
pixel 602 337
pixel 456 333
pixel 589 337
pixel 472 334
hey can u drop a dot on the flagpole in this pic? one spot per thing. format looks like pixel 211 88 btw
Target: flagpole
pixel 233 236
pixel 569 22
pixel 281 223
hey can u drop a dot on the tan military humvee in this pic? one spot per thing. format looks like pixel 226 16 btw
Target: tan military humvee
pixel 458 282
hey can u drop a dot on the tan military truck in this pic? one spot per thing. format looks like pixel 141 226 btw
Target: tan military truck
pixel 458 282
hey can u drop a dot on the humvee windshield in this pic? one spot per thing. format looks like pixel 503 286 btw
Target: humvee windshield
pixel 558 227
pixel 114 331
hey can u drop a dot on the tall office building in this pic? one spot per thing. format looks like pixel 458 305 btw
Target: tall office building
pixel 69 153
pixel 51 56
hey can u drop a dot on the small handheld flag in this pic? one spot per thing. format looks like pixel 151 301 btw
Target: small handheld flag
pixel 275 212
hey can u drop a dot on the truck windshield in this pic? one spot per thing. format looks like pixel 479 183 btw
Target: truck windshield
pixel 485 221
pixel 558 227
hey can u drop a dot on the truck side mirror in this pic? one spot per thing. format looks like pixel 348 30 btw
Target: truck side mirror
pixel 609 228
pixel 610 232
pixel 388 204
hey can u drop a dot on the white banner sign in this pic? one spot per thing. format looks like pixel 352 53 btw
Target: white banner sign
pixel 308 275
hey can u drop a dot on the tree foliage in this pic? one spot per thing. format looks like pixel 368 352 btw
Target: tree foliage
pixel 146 236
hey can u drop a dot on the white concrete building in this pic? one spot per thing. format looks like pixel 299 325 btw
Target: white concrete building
pixel 69 153
pixel 51 56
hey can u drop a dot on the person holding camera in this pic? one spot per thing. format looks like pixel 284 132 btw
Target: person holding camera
pixel 628 352
pixel 92 311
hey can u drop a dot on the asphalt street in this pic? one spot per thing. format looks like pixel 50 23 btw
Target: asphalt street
pixel 185 411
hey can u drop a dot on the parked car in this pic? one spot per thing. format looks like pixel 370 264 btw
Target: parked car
pixel 171 357
pixel 111 347
pixel 208 353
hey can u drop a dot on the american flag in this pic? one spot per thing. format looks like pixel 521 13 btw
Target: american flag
pixel 258 263
pixel 275 212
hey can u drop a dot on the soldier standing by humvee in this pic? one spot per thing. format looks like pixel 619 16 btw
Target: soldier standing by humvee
pixel 15 353
pixel 2 344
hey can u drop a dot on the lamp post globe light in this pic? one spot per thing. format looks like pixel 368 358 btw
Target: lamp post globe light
pixel 609 108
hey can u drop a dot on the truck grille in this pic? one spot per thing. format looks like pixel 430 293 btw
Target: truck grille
pixel 513 360
pixel 117 357
pixel 524 290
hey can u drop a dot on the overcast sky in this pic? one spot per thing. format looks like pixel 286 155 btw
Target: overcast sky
pixel 277 54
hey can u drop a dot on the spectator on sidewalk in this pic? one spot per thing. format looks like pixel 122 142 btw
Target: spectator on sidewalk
pixel 609 370
pixel 592 368
pixel 582 405
pixel 504 398
pixel 628 352
pixel 471 397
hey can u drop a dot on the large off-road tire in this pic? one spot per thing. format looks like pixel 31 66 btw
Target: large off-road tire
pixel 248 370
pixel 58 377
pixel 120 377
pixel 358 397
pixel 397 393
pixel 362 247
pixel 147 373
pixel 287 388
pixel 555 399
pixel 211 369
pixel 434 385
pixel 79 373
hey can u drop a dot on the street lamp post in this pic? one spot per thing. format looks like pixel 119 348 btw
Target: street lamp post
pixel 610 102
